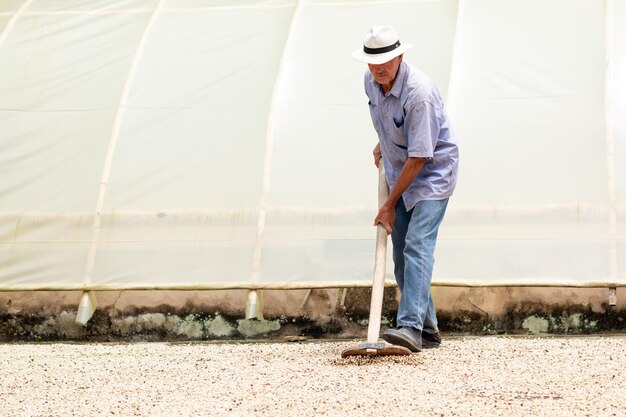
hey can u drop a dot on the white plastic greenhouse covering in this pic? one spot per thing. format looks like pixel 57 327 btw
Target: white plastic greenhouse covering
pixel 195 144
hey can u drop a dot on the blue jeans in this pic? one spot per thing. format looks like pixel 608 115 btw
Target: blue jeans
pixel 414 237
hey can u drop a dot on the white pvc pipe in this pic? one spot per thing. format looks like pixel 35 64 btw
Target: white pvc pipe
pixel 86 307
pixel 267 164
pixel 609 139
pixel 367 3
pixel 144 10
pixel 451 95
pixel 13 20
pixel 269 151
pixel 106 170
pixel 229 285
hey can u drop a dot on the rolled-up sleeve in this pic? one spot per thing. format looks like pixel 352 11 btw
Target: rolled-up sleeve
pixel 421 127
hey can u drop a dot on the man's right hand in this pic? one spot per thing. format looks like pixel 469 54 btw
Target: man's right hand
pixel 377 154
pixel 387 217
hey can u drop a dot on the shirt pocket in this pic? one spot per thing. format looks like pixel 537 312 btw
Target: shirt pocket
pixel 398 121
pixel 396 131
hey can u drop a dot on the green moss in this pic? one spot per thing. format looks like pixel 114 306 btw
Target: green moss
pixel 191 323
pixel 536 325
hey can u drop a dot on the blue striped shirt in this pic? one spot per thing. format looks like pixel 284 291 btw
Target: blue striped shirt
pixel 411 122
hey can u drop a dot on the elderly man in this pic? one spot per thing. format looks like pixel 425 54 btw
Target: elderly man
pixel 420 155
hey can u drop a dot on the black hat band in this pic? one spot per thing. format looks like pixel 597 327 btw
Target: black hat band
pixel 382 50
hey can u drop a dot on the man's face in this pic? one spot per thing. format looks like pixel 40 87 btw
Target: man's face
pixel 385 73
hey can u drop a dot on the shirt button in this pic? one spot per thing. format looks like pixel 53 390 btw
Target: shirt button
pixel 386 114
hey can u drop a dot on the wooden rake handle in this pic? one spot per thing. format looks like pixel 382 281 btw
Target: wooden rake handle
pixel 378 284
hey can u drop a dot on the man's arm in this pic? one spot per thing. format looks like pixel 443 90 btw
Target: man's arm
pixel 387 214
pixel 422 125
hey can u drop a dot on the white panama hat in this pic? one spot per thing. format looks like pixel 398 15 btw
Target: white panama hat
pixel 381 44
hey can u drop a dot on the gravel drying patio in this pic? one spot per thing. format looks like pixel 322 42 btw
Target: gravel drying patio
pixel 467 376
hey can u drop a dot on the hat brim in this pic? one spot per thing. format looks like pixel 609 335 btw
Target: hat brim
pixel 376 59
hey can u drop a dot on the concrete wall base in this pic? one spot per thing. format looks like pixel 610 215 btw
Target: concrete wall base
pixel 291 314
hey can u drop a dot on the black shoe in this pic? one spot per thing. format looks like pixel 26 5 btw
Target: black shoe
pixel 431 340
pixel 407 337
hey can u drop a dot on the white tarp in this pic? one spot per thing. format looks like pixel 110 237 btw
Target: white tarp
pixel 227 144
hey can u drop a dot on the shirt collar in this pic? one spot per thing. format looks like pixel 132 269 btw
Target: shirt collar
pixel 396 90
